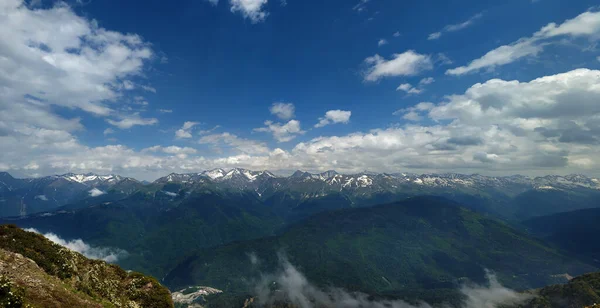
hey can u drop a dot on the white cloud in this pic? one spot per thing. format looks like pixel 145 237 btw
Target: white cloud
pixel 165 110
pixel 189 124
pixel 282 132
pixel 408 88
pixel 500 56
pixel 41 197
pixel 455 27
pixel 128 85
pixel 186 130
pixel 251 9
pixel 32 166
pixel 128 121
pixel 428 80
pixel 241 145
pixel 108 131
pixel 546 125
pixel 95 192
pixel 213 2
pixel 54 57
pixel 333 117
pixel 586 24
pixel 405 64
pixel 415 113
pixel 148 88
pixel 51 57
pixel 412 116
pixel 397 34
pixel 434 36
pixel 175 150
pixel 110 255
pixel 284 111
pixel 382 42
pixel 170 194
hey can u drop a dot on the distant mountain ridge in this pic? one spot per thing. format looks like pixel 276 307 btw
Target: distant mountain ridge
pixel 34 195
pixel 50 192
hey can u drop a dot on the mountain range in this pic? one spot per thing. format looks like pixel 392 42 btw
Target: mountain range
pixel 397 235
pixel 513 197
pixel 35 195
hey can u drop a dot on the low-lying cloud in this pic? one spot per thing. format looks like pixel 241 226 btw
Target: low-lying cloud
pixel 107 254
pixel 95 192
pixel 293 287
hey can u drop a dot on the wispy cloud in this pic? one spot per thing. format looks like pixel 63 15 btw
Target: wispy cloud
pixel 186 130
pixel 107 254
pixel 293 287
pixel 455 27
pixel 586 24
pixel 361 5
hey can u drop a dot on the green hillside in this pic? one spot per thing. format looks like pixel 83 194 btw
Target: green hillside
pixel 157 229
pixel 422 243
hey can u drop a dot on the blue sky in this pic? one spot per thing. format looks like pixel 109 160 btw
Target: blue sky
pixel 107 86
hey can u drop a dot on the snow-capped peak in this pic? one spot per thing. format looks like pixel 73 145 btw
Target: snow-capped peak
pixel 90 178
pixel 214 174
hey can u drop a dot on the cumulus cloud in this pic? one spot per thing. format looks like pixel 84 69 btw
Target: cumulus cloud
pixel 108 131
pixel 186 130
pixel 404 64
pixel 110 255
pixel 284 111
pixel 455 27
pixel 251 9
pixel 95 192
pixel 293 287
pixel 546 125
pixel 53 57
pixel 282 132
pixel 382 42
pixel 333 117
pixel 586 24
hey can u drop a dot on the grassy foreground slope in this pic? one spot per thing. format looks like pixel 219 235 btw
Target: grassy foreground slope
pixel 35 272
